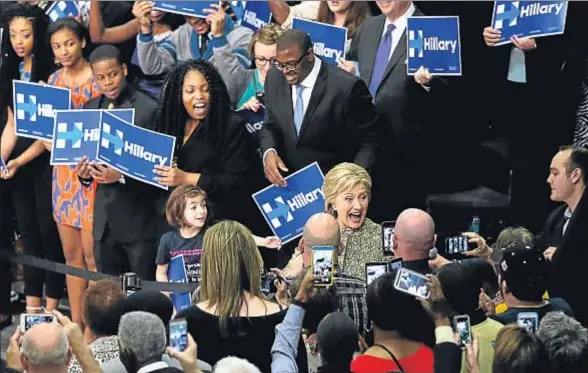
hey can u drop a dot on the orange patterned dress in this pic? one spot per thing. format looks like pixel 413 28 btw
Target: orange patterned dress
pixel 73 204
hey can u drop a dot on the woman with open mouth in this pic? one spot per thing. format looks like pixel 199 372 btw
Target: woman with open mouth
pixel 347 189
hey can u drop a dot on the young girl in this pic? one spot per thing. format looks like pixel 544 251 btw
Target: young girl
pixel 186 211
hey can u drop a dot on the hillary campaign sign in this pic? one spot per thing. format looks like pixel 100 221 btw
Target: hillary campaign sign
pixel 76 134
pixel 528 18
pixel 186 8
pixel 253 120
pixel 328 40
pixel 434 43
pixel 177 273
pixel 34 108
pixel 62 9
pixel 256 15
pixel 286 209
pixel 133 150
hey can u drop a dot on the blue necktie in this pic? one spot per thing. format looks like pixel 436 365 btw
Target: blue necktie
pixel 298 109
pixel 382 58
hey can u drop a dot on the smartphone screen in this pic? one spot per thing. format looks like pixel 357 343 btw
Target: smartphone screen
pixel 463 329
pixel 412 283
pixel 394 265
pixel 322 265
pixel 528 320
pixel 456 244
pixel 388 237
pixel 178 334
pixel 28 320
pixel 375 270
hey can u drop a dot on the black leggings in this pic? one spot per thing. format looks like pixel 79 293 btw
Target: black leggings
pixel 38 233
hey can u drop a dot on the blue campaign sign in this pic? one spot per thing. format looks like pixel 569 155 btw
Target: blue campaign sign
pixel 434 43
pixel 128 115
pixel 256 15
pixel 62 9
pixel 186 8
pixel 133 150
pixel 328 40
pixel 529 18
pixel 176 272
pixel 253 120
pixel 286 209
pixel 35 106
pixel 75 135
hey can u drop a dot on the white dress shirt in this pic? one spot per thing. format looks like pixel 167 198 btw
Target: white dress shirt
pixel 400 29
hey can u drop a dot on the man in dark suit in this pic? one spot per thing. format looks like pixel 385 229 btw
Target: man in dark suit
pixel 125 220
pixel 565 237
pixel 379 48
pixel 314 112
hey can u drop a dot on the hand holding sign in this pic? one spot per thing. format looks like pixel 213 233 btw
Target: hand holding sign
pixel 348 66
pixel 104 174
pixel 142 11
pixel 252 105
pixel 170 176
pixel 272 165
pixel 525 44
pixel 83 168
pixel 491 36
pixel 423 76
pixel 216 19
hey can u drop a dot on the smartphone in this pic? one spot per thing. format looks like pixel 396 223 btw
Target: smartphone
pixel 375 270
pixel 388 237
pixel 28 320
pixel 178 334
pixel 457 245
pixel 323 269
pixel 528 320
pixel 463 328
pixel 412 283
pixel 394 265
pixel 130 283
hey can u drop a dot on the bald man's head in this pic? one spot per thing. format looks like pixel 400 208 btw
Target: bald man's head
pixel 414 234
pixel 45 346
pixel 321 229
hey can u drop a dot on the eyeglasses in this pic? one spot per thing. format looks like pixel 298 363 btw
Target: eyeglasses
pixel 289 65
pixel 262 61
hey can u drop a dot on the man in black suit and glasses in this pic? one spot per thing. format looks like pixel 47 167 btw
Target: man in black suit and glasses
pixel 314 112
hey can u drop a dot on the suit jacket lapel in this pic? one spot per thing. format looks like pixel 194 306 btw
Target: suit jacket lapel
pixel 288 110
pixel 372 48
pixel 317 93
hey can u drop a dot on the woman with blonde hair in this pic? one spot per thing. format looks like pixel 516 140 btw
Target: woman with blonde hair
pixel 347 189
pixel 246 86
pixel 233 317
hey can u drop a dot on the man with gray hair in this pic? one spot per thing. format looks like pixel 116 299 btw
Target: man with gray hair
pixel 44 348
pixel 566 342
pixel 142 340
pixel 231 364
pixel 414 237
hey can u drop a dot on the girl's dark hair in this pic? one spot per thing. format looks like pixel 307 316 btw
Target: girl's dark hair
pixel 171 116
pixel 42 58
pixel 67 23
pixel 176 204
pixel 358 12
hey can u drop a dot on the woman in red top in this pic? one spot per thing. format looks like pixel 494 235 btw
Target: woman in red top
pixel 394 316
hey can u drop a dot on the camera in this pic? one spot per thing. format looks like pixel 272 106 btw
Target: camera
pixel 267 283
pixel 260 97
pixel 130 283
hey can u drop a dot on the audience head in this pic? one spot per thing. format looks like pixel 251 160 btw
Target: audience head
pixel 568 174
pixel 393 9
pixel 320 230
pixel 512 236
pixel 566 342
pixel 44 348
pixel 517 350
pixel 347 188
pixel 337 340
pixel 200 26
pixel 262 48
pixel 355 13
pixel 67 39
pixel 522 274
pixel 231 364
pixel 231 266
pixel 102 307
pixel 414 234
pixel 150 301
pixel 142 339
pixel 294 56
pixel 390 310
pixel 186 208
pixel 109 70
pixel 25 30
pixel 192 91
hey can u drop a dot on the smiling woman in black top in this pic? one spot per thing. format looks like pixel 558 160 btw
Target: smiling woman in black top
pixel 213 149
